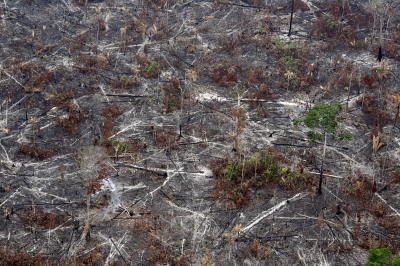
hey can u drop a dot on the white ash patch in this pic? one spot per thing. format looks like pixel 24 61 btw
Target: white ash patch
pixel 209 96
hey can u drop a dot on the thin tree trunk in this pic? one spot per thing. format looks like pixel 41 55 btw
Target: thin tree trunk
pixel 322 168
pixel 291 19
pixel 86 229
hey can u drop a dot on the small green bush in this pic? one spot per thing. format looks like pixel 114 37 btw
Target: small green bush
pixel 382 257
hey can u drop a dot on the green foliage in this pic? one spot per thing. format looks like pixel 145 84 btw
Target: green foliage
pixel 330 23
pixel 153 66
pixel 225 66
pixel 382 257
pixel 314 136
pixel 345 136
pixel 279 44
pixel 236 178
pixel 323 117
pixel 230 171
pixel 173 104
pixel 290 62
pixel 296 121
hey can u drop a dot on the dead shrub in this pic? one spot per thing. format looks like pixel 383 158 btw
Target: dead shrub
pixel 165 138
pixel 62 98
pixel 103 171
pixel 77 43
pixel 39 80
pixel 35 152
pixel 256 75
pixel 109 113
pixel 396 177
pixel 172 99
pixel 124 83
pixel 19 257
pixel 101 24
pixel 360 188
pixel 39 219
pixel 333 31
pixel 89 64
pixel 224 74
pixel 70 123
pixel 112 111
pixel 343 77
pixel 300 5
pixel 236 44
pixel 375 116
pixel 369 81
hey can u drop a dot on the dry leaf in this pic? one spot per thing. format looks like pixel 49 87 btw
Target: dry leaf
pixel 32 119
pixel 238 229
pixel 376 143
pixel 191 75
pixel 205 261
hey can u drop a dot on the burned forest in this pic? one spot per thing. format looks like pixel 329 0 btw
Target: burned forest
pixel 210 133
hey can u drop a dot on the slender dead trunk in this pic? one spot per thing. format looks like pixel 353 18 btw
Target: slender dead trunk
pixel 291 19
pixel 322 167
pixel 7 113
pixel 86 229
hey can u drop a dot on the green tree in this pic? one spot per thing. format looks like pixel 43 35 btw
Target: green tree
pixel 382 257
pixel 322 120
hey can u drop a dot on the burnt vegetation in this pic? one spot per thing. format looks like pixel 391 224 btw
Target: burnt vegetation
pixel 163 132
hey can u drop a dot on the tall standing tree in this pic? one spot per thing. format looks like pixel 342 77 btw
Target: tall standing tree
pixel 322 121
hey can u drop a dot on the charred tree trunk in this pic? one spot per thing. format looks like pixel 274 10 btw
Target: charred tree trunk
pixel 291 19
pixel 380 55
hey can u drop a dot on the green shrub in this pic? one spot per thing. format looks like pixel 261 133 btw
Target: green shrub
pixel 236 177
pixel 382 257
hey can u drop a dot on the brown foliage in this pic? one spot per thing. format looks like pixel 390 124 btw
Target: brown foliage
pixel 40 219
pixel 236 44
pixel 343 77
pixel 35 152
pixel 89 64
pixel 369 81
pixel 391 47
pixel 22 258
pixel 103 171
pixel 376 117
pixel 164 138
pixel 62 98
pixel 112 111
pixel 300 5
pixel 109 113
pixel 224 74
pixel 101 24
pixel 333 30
pixel 172 99
pixel 396 176
pixel 256 75
pixel 40 80
pixel 360 188
pixel 71 123
pixel 78 42
pixel 125 83
pixel 159 254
